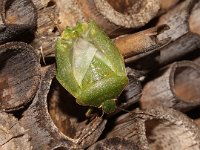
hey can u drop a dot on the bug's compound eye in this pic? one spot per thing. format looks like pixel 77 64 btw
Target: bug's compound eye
pixel 109 106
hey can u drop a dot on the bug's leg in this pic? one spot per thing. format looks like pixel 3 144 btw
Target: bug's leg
pixel 89 112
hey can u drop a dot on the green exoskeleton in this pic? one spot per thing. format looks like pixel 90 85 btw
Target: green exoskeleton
pixel 90 66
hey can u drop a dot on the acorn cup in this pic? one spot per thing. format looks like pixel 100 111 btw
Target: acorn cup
pixel 18 20
pixel 19 75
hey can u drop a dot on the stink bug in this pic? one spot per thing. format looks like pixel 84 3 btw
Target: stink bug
pixel 90 67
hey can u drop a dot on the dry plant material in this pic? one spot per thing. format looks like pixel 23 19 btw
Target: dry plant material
pixel 111 15
pixel 167 4
pixel 13 135
pixel 134 15
pixel 141 42
pixel 47 31
pixel 197 121
pixel 45 133
pixel 158 128
pixel 183 31
pixel 132 91
pixel 115 143
pixel 53 120
pixel 194 19
pixel 175 86
pixel 18 19
pixel 197 60
pixel 38 123
pixel 19 75
pixel 55 16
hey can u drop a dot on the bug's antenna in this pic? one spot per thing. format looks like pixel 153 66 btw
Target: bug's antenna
pixel 122 109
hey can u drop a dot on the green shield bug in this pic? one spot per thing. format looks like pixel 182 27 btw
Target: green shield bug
pixel 90 67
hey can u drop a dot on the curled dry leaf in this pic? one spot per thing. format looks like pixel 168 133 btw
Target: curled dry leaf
pixel 19 75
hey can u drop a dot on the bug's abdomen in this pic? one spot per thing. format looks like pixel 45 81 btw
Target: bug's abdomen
pixel 107 88
pixel 100 83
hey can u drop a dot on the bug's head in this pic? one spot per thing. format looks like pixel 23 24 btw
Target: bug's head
pixel 109 106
